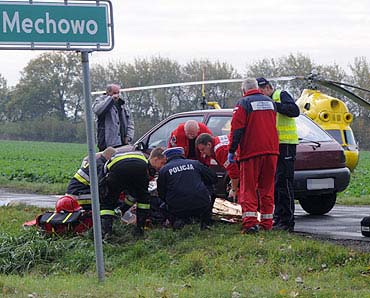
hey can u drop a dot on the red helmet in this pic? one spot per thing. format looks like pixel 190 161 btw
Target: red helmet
pixel 67 204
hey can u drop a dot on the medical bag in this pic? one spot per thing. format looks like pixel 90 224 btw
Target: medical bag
pixel 59 223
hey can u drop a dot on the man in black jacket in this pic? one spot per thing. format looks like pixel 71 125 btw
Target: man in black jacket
pixel 129 172
pixel 185 186
pixel 287 110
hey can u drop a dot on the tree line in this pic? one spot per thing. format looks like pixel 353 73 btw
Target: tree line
pixel 47 103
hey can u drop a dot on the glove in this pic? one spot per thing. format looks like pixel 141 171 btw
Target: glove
pixel 230 157
pixel 232 195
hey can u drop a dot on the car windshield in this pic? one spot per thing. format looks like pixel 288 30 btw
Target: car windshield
pixel 308 131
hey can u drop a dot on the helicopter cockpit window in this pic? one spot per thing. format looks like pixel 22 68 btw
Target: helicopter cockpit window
pixel 219 125
pixel 336 134
pixel 160 137
pixel 349 137
pixel 309 131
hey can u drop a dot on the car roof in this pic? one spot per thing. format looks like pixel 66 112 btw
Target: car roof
pixel 209 111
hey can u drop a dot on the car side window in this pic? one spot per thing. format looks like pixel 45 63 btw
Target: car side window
pixel 219 125
pixel 159 138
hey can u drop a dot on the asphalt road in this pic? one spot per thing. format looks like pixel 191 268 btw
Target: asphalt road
pixel 341 223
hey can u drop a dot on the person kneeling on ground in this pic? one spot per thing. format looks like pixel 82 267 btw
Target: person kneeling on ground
pixel 129 172
pixel 79 185
pixel 183 184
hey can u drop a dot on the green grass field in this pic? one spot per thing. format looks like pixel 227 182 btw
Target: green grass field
pixel 188 263
pixel 47 168
pixel 39 166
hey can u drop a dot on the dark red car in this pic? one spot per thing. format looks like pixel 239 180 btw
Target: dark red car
pixel 320 171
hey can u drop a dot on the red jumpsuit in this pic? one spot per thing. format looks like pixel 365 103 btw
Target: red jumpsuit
pixel 253 130
pixel 179 139
pixel 221 149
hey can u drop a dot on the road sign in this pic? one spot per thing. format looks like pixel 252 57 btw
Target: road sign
pixel 58 26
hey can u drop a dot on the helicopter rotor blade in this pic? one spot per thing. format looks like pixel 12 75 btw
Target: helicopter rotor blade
pixel 287 78
pixel 334 86
pixel 349 85
pixel 130 89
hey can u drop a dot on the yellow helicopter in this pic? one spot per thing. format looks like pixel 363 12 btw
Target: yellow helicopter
pixel 332 115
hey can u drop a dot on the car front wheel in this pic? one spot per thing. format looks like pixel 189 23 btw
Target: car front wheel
pixel 318 205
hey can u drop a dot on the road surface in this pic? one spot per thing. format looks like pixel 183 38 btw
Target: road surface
pixel 341 223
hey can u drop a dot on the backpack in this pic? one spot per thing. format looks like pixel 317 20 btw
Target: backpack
pixel 60 223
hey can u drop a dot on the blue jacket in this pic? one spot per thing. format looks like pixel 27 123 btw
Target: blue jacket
pixel 183 184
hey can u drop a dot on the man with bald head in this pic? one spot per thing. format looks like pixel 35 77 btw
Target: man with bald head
pixel 184 136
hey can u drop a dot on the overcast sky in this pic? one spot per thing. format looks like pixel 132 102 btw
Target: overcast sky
pixel 234 31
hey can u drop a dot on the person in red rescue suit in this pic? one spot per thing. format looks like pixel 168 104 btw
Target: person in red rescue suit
pixel 79 185
pixel 288 139
pixel 218 148
pixel 129 172
pixel 253 129
pixel 184 136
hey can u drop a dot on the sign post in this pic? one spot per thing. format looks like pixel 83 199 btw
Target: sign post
pixel 83 26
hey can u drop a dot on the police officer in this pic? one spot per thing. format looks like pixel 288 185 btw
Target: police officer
pixel 287 110
pixel 184 185
pixel 129 172
pixel 79 185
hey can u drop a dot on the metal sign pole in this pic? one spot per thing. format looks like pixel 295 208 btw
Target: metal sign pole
pixel 92 168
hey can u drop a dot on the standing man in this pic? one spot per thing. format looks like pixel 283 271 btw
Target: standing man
pixel 184 136
pixel 129 172
pixel 253 130
pixel 218 148
pixel 183 184
pixel 115 124
pixel 288 140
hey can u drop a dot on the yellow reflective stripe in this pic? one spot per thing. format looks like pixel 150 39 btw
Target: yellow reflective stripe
pixel 119 158
pixel 50 218
pixel 143 206
pixel 128 202
pixel 84 202
pixel 68 216
pixel 107 212
pixel 81 179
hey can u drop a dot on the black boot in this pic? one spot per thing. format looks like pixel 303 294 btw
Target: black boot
pixel 107 225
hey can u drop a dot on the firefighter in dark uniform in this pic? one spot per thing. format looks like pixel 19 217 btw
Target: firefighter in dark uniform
pixel 287 110
pixel 79 185
pixel 129 172
pixel 184 185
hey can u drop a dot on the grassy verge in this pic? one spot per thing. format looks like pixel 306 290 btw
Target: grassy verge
pixel 33 187
pixel 358 191
pixel 187 263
